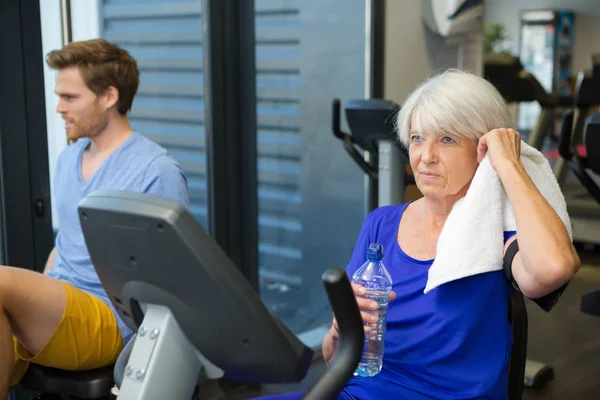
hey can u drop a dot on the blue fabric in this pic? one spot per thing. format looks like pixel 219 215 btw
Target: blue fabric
pixel 452 343
pixel 344 395
pixel 138 165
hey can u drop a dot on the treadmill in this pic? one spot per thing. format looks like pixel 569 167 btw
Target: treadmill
pixel 583 209
pixel 586 168
pixel 516 85
pixel 195 314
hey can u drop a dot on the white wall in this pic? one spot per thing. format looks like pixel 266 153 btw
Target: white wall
pixel 85 25
pixel 412 54
pixel 587 40
pixel 587 23
pixel 406 60
pixel 412 51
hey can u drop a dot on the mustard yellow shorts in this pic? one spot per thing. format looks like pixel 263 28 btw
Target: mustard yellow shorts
pixel 87 337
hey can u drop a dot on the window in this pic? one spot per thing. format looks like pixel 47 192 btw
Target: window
pixel 310 193
pixel 311 198
pixel 166 40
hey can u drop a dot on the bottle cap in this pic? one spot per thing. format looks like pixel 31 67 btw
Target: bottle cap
pixel 375 252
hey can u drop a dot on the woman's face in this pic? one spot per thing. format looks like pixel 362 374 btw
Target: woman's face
pixel 443 166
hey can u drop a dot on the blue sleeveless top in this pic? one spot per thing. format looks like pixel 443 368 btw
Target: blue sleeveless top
pixel 452 343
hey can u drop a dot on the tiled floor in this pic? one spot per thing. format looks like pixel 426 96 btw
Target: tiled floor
pixel 569 341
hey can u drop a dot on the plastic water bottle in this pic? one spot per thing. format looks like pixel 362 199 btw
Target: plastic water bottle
pixel 374 277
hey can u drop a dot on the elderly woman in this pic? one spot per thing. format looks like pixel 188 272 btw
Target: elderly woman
pixel 454 342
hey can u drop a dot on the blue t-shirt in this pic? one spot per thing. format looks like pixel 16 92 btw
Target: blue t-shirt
pixel 452 343
pixel 138 165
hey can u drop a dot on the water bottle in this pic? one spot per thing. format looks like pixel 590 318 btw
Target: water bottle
pixel 374 277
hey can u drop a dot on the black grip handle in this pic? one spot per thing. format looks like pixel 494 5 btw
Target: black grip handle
pixel 336 118
pixel 349 141
pixel 566 129
pixel 368 169
pixel 565 101
pixel 351 342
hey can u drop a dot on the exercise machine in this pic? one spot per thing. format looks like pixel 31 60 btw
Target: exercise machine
pixel 195 314
pixel 516 85
pixel 383 159
pixel 584 168
pixel 583 209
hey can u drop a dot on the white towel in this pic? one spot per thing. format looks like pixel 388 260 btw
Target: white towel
pixel 472 239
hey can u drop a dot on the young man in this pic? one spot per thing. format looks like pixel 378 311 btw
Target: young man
pixel 63 318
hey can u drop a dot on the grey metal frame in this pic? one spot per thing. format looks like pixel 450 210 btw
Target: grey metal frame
pixel 391 174
pixel 163 364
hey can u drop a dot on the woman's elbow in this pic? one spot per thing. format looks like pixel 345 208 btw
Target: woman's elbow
pixel 570 263
pixel 555 273
pixel 560 270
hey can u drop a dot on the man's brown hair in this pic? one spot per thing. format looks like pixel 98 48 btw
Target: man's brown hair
pixel 101 64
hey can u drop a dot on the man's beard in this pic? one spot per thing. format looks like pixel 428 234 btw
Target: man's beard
pixel 89 127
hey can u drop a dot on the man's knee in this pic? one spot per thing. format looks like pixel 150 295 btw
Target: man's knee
pixel 20 286
pixel 6 284
pixel 33 303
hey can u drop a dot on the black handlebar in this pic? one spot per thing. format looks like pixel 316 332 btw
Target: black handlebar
pixel 350 347
pixel 564 145
pixel 336 118
pixel 565 101
pixel 349 142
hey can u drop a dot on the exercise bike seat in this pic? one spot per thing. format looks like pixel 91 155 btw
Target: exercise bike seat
pixel 92 384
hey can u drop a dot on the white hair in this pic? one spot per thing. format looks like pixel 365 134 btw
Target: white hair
pixel 453 102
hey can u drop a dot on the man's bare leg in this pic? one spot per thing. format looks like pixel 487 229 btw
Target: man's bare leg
pixel 31 307
pixel 6 355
